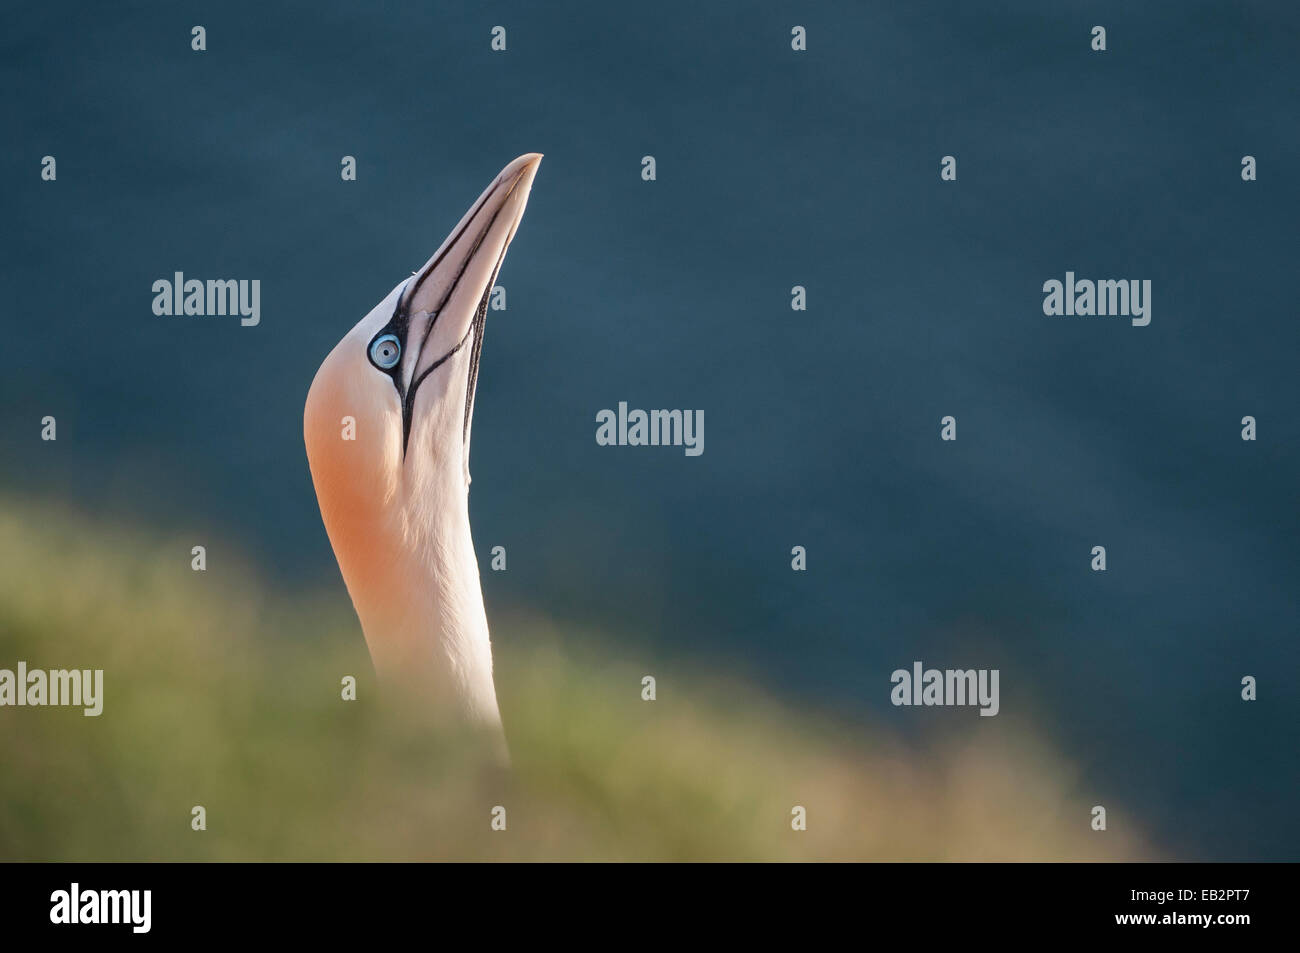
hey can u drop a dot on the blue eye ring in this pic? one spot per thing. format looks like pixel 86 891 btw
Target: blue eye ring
pixel 385 351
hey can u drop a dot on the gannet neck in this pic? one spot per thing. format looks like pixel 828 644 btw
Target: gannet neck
pixel 438 640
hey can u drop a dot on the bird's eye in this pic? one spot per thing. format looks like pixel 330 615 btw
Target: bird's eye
pixel 385 350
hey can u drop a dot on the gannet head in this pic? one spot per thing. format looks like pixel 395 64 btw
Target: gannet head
pixel 387 428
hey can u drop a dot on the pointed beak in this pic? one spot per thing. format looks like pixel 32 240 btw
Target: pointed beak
pixel 443 308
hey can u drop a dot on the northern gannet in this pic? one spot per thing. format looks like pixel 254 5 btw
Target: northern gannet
pixel 395 496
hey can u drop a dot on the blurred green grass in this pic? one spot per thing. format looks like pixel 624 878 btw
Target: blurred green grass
pixel 222 693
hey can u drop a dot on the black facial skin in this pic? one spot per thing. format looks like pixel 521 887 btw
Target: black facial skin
pixel 399 325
